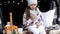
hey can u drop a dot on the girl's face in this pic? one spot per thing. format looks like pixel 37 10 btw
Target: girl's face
pixel 33 6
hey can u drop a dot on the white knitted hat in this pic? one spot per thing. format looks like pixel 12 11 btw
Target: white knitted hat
pixel 32 2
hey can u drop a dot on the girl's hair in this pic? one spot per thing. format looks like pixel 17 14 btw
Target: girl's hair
pixel 27 11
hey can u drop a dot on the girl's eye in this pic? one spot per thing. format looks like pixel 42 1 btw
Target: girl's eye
pixel 33 4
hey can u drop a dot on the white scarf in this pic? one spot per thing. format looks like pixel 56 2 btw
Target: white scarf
pixel 36 12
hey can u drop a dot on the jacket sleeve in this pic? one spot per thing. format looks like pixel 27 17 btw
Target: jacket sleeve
pixel 25 22
pixel 40 18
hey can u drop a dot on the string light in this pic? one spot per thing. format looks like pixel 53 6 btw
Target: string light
pixel 18 3
pixel 4 2
pixel 8 1
pixel 0 3
pixel 38 6
pixel 13 1
pixel 38 1
pixel 22 0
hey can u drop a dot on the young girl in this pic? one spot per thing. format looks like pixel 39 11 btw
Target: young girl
pixel 32 18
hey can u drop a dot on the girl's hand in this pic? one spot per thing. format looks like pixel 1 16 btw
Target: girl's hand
pixel 30 20
pixel 38 24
